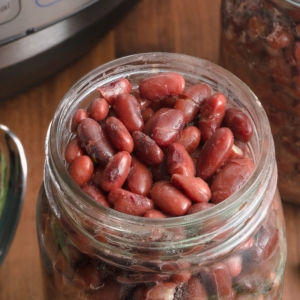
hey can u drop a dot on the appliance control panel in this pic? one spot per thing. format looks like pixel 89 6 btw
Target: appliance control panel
pixel 21 17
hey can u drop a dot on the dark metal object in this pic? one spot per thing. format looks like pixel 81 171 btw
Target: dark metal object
pixel 32 58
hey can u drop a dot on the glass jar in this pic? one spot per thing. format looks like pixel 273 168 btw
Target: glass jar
pixel 234 250
pixel 260 44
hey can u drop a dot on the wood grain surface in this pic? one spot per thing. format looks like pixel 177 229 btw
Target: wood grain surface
pixel 190 27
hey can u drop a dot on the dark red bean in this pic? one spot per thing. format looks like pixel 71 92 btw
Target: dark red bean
pixel 170 199
pixel 154 213
pixel 81 170
pixel 214 153
pixel 198 92
pixel 194 187
pixel 230 179
pixel 239 124
pixel 73 150
pixel 139 180
pixel 116 171
pixel 118 134
pixel 188 107
pixel 147 113
pixel 190 138
pixel 146 149
pixel 95 193
pixel 197 207
pixel 212 113
pixel 78 116
pixel 194 290
pixel 130 203
pixel 111 90
pixel 150 123
pixel 128 111
pixel 94 140
pixel 167 127
pixel 159 172
pixel 98 109
pixel 87 276
pixel 162 85
pixel 179 161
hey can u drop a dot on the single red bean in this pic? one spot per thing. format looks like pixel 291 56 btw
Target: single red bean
pixel 95 193
pixel 81 170
pixel 130 203
pixel 73 150
pixel 197 207
pixel 93 139
pixel 150 123
pixel 111 90
pixel 162 85
pixel 190 138
pixel 212 113
pixel 127 110
pixel 116 171
pixel 147 113
pixel 139 180
pixel 146 149
pixel 239 124
pixel 78 116
pixel 230 179
pixel 167 127
pixel 195 290
pixel 179 161
pixel 154 213
pixel 214 153
pixel 188 107
pixel 118 134
pixel 170 199
pixel 97 175
pixel 194 187
pixel 98 109
pixel 198 92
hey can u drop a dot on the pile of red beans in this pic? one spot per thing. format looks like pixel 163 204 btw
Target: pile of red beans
pixel 161 150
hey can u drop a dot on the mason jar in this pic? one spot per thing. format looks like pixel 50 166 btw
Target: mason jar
pixel 233 250
pixel 261 45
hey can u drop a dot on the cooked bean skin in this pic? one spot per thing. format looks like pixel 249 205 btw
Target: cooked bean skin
pixel 73 150
pixel 188 107
pixel 214 153
pixel 198 93
pixel 170 199
pixel 190 138
pixel 150 123
pixel 96 194
pixel 162 85
pixel 98 109
pixel 78 116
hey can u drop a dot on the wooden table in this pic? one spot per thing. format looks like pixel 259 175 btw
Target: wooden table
pixel 190 27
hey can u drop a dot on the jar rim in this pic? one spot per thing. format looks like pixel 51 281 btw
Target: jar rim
pixel 188 64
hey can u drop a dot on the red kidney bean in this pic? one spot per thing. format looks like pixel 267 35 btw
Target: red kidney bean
pixel 96 194
pixel 111 90
pixel 212 113
pixel 116 171
pixel 198 92
pixel 230 179
pixel 146 149
pixel 98 109
pixel 170 199
pixel 118 134
pixel 167 127
pixel 194 290
pixel 162 85
pixel 81 170
pixel 214 153
pixel 190 138
pixel 78 116
pixel 197 207
pixel 188 107
pixel 93 139
pixel 181 277
pixel 73 150
pixel 154 213
pixel 150 123
pixel 239 124
pixel 179 161
pixel 147 113
pixel 139 180
pixel 127 110
pixel 194 187
pixel 130 203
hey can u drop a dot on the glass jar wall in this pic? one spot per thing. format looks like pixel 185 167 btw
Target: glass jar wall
pixel 234 250
pixel 261 45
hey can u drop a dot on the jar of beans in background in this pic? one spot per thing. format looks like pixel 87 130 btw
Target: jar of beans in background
pixel 261 45
pixel 102 241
